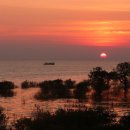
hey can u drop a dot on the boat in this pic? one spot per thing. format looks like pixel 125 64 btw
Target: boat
pixel 49 63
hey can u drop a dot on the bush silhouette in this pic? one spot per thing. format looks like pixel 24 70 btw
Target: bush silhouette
pixel 53 89
pixel 28 84
pixel 69 83
pixel 90 119
pixel 6 88
pixel 81 89
pixel 125 121
pixel 3 120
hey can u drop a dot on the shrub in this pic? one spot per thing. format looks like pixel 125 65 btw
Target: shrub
pixel 6 89
pixel 53 89
pixel 91 119
pixel 81 89
pixel 3 120
pixel 7 85
pixel 28 84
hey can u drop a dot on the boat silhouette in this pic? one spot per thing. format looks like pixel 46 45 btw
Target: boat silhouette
pixel 49 63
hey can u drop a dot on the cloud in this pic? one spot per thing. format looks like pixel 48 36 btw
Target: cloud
pixel 38 16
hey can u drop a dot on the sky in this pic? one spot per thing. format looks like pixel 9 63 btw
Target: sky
pixel 64 29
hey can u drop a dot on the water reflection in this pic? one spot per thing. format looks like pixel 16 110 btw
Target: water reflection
pixel 24 103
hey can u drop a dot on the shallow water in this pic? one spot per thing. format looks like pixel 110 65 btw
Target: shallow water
pixel 23 103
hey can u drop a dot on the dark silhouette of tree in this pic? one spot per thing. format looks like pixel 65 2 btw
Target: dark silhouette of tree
pixel 113 75
pixel 123 69
pixel 99 81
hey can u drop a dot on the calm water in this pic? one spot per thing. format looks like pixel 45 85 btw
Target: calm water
pixel 19 71
pixel 24 103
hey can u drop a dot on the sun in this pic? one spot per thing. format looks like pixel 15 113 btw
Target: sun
pixel 103 55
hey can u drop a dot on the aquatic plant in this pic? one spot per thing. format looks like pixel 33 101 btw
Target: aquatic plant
pixel 53 89
pixel 6 88
pixel 28 84
pixel 7 85
pixel 81 89
pixel 69 83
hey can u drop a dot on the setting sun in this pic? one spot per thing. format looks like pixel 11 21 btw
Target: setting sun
pixel 103 55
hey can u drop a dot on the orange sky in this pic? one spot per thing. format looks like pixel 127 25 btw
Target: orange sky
pixel 87 22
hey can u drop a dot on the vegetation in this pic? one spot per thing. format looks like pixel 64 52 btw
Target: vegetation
pixel 7 85
pixel 3 120
pixel 86 119
pixel 81 89
pixel 28 84
pixel 6 88
pixel 91 119
pixel 69 83
pixel 54 89
pixel 125 121
pixel 123 69
pixel 99 81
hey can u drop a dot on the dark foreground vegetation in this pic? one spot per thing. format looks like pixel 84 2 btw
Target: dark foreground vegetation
pixel 3 120
pixel 87 119
pixel 80 119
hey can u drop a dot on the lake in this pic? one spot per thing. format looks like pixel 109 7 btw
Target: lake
pixel 23 103
pixel 35 70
